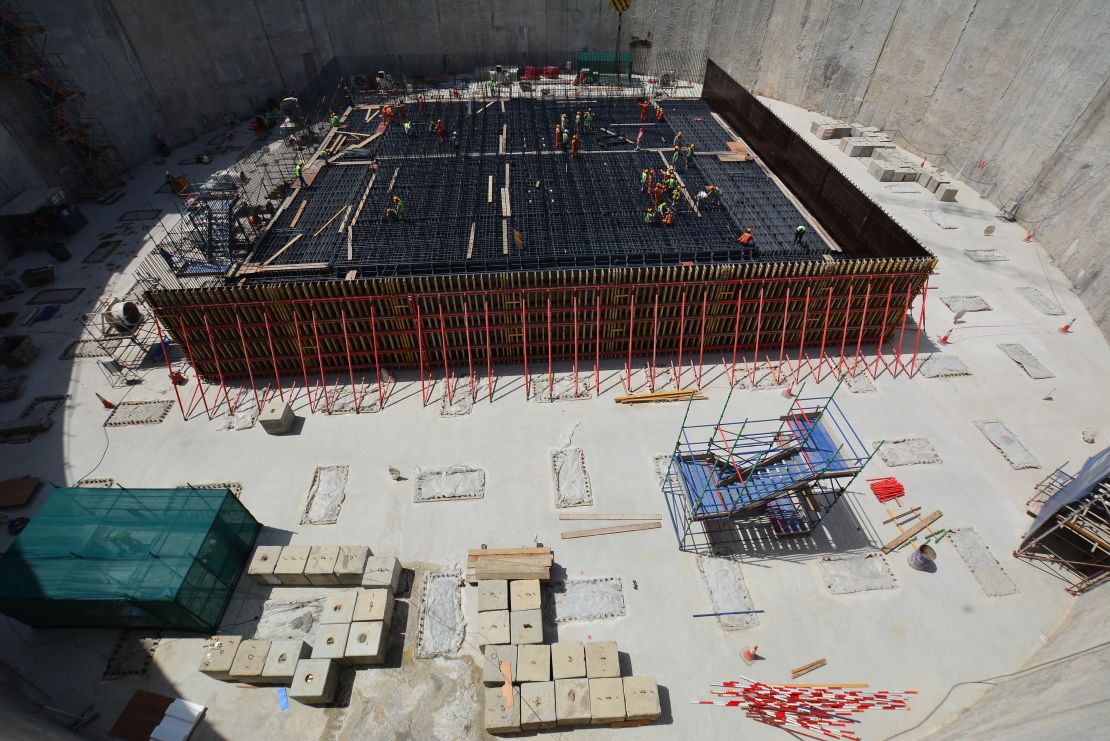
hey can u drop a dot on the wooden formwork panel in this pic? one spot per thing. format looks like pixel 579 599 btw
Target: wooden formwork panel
pixel 510 318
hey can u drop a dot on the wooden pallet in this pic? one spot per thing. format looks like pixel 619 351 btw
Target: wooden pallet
pixel 508 563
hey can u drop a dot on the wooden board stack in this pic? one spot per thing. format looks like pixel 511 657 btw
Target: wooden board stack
pixel 508 563
pixel 654 396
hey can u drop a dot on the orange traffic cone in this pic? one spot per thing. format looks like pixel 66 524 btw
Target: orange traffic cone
pixel 749 655
pixel 944 340
pixel 107 404
pixel 788 392
pixel 1066 329
pixel 1029 237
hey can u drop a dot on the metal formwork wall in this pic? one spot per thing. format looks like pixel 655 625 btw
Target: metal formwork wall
pixel 445 324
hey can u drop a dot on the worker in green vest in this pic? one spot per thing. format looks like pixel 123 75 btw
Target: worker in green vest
pixel 300 175
pixel 399 205
pixel 649 216
pixel 798 234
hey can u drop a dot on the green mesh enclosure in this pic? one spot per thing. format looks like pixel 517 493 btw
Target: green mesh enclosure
pixel 128 558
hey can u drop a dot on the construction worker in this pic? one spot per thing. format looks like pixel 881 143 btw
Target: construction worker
pixel 490 87
pixel 420 102
pixel 441 130
pixel 657 193
pixel 668 218
pixel 798 234
pixel 299 169
pixel 659 113
pixel 674 156
pixel 649 216
pixel 643 181
pixel 334 120
pixel 701 198
pixel 558 134
pixel 390 214
pixel 400 111
pixel 399 205
pixel 407 126
pixel 677 140
pixel 644 105
pixel 564 121
pixel 671 182
pixel 574 145
pixel 455 141
pixel 661 209
pixel 566 138
pixel 689 152
pixel 746 238
pixel 639 138
pixel 588 118
pixel 387 114
pixel 713 192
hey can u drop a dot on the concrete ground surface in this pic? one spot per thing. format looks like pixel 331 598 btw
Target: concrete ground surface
pixel 931 632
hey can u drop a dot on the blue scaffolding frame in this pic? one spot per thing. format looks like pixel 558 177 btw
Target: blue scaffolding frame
pixel 784 473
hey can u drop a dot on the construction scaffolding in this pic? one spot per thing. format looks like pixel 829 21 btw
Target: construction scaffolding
pixel 24 57
pixel 783 474
pixel 1070 536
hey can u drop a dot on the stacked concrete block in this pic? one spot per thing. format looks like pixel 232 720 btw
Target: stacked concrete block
pixel 350 564
pixel 493 594
pixel 945 192
pixel 281 661
pixel 602 659
pixel 277 418
pixel 537 705
pixel 315 681
pixel 493 627
pixel 382 572
pixel 856 147
pixel 524 594
pixel 880 170
pixel 262 564
pixel 290 565
pixel 606 700
pixel 856 128
pixel 366 643
pixel 572 702
pixel 568 660
pixel 641 698
pixel 526 626
pixel 219 653
pixel 502 716
pixel 373 605
pixel 249 661
pixel 331 642
pixel 320 567
pixel 533 663
pixel 492 659
pixel 339 607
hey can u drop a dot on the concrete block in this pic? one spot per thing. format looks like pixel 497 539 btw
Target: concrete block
pixel 262 564
pixel 382 572
pixel 290 565
pixel 350 564
pixel 606 700
pixel 533 663
pixel 858 148
pixel 816 124
pixel 281 661
pixel 923 178
pixel 493 594
pixel 493 627
pixel 367 643
pixel 572 702
pixel 492 656
pixel 602 659
pixel 320 567
pixel 373 604
pixel 499 717
pixel 856 128
pixel 568 660
pixel 537 705
pixel 526 626
pixel 524 594
pixel 219 653
pixel 823 132
pixel 331 642
pixel 641 698
pixel 314 681
pixel 878 170
pixel 945 193
pixel 277 418
pixel 339 607
pixel 250 659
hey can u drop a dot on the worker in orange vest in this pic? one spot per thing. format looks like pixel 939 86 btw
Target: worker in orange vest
pixel 574 145
pixel 420 102
pixel 746 238
pixel 644 105
pixel 659 113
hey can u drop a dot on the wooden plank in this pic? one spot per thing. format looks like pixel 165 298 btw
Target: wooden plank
pixel 533 551
pixel 807 668
pixel 362 201
pixel 489 190
pixel 473 234
pixel 343 223
pixel 252 269
pixel 359 145
pixel 350 244
pixel 506 205
pixel 281 251
pixel 393 180
pixel 905 536
pixel 351 275
pixel 609 530
pixel 685 192
pixel 297 216
pixel 504 236
pixel 329 221
pixel 616 516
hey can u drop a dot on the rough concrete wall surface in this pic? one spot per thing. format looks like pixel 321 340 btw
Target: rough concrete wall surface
pixel 1059 694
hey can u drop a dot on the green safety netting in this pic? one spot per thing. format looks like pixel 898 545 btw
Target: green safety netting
pixel 128 558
